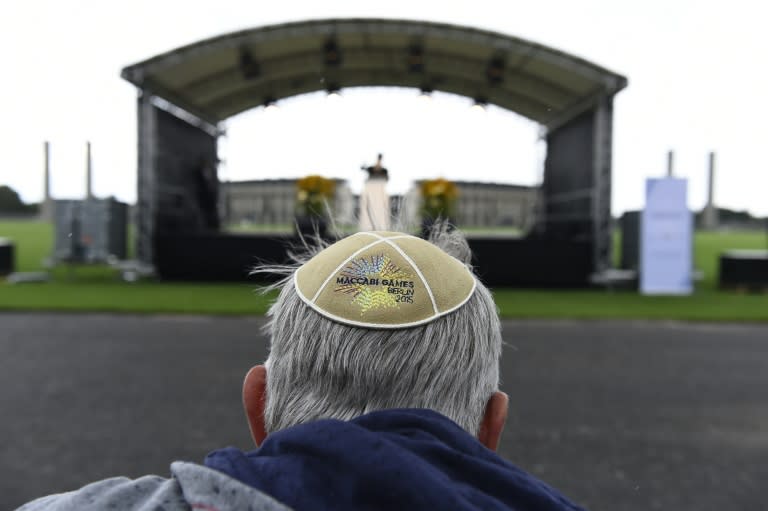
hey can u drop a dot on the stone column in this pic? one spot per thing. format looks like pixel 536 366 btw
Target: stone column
pixel 46 206
pixel 710 217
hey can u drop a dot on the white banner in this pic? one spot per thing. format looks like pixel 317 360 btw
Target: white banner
pixel 666 238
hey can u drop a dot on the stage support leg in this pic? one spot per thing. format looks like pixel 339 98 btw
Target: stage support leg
pixel 146 200
pixel 576 202
pixel 601 200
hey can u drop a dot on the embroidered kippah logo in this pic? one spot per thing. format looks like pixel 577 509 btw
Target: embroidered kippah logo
pixel 375 283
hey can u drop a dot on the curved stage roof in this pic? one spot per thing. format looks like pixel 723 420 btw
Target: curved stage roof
pixel 223 76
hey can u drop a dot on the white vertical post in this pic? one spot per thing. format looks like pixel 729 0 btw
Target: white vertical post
pixel 46 209
pixel 670 163
pixel 710 219
pixel 88 172
pixel 47 170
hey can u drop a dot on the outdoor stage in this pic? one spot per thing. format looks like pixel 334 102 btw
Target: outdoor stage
pixel 498 261
pixel 187 94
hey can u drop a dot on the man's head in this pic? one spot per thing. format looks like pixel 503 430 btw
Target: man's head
pixel 379 321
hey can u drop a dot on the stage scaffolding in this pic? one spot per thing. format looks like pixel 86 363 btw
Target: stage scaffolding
pixel 186 94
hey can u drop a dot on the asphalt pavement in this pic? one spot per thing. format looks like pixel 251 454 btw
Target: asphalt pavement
pixel 621 416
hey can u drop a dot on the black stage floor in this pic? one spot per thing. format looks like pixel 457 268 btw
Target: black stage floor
pixel 621 416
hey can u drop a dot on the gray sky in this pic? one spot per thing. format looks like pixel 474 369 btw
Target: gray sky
pixel 696 83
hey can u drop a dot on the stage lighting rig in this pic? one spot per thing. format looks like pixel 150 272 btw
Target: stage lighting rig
pixel 480 103
pixel 270 103
pixel 425 93
pixel 415 59
pixel 249 67
pixel 333 90
pixel 331 53
pixel 494 72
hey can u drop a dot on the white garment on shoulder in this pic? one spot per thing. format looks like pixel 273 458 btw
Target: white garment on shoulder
pixel 191 487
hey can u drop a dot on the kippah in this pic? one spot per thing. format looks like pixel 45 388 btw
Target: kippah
pixel 384 280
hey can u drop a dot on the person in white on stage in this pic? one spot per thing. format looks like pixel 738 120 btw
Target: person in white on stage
pixel 374 201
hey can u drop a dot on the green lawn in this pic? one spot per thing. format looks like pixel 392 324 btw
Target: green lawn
pixel 707 249
pixel 248 228
pixel 142 297
pixel 704 305
pixel 99 289
pixel 34 242
pixel 709 245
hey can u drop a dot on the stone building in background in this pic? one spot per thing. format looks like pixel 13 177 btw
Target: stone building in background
pixel 273 202
pixel 486 204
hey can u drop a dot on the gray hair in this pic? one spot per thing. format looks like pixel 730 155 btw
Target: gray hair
pixel 318 368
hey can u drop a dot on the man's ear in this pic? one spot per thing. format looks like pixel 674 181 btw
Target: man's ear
pixel 493 421
pixel 254 401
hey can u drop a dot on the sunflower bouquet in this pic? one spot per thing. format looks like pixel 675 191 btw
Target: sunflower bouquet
pixel 438 198
pixel 313 195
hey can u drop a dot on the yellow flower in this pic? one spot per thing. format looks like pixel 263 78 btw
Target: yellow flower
pixel 439 197
pixel 319 185
pixel 313 193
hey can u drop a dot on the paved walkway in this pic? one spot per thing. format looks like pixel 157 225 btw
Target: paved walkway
pixel 618 415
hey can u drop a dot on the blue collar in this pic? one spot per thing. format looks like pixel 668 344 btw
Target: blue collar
pixel 392 459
